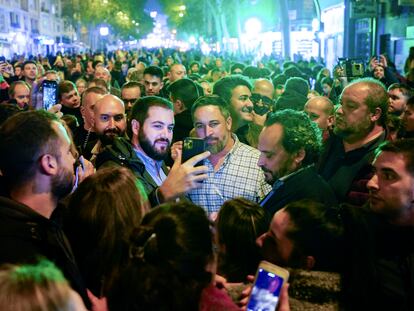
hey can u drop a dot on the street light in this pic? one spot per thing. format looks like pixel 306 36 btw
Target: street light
pixel 104 31
pixel 253 26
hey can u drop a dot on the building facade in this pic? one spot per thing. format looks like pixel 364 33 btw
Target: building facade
pixel 31 27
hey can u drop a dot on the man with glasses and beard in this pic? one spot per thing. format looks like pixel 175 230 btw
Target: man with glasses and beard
pixel 37 170
pixel 152 123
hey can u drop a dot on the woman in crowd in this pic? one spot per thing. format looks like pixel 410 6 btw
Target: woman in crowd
pixel 239 223
pixel 173 264
pixel 100 220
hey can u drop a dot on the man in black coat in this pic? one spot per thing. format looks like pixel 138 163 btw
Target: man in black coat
pixel 290 144
pixel 37 168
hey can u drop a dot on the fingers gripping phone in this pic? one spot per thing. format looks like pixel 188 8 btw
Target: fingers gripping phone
pixel 50 96
pixel 191 147
pixel 266 288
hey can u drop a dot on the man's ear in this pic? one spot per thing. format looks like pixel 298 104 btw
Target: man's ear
pixel 309 262
pixel 180 105
pixel 376 114
pixel 331 121
pixel 229 123
pixel 300 155
pixel 48 164
pixel 162 85
pixel 135 126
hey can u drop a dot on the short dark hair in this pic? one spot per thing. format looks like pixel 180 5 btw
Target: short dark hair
pixel 224 87
pixel 23 139
pixel 237 66
pixel 315 230
pixel 185 90
pixel 212 100
pixel 154 71
pixel 28 62
pixel 140 109
pixel 299 132
pixel 65 87
pixel 403 88
pixel 131 84
pixel 400 146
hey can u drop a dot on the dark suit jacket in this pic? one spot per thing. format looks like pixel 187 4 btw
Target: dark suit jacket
pixel 303 184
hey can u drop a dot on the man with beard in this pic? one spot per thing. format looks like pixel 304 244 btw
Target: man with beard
pixel 109 123
pixel 152 123
pixel 232 170
pixel 307 237
pixel 359 129
pixel 290 145
pixel 380 267
pixel 37 169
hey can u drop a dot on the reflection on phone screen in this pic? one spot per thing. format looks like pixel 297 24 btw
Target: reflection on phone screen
pixel 49 97
pixel 266 291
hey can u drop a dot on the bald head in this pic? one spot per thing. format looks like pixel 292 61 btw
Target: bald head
pixel 110 119
pixel 102 73
pixel 89 98
pixel 263 87
pixel 321 111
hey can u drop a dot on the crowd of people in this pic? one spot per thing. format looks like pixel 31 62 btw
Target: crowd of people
pixel 306 168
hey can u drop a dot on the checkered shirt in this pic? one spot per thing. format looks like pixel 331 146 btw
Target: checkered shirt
pixel 238 176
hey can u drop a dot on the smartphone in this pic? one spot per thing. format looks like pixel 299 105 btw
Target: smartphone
pixel 191 147
pixel 50 96
pixel 266 288
pixel 2 60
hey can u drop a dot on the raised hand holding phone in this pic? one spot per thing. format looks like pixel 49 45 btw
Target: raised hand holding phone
pixel 267 287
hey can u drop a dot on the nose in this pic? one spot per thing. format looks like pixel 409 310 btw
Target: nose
pixel 260 161
pixel 249 103
pixel 373 183
pixel 339 110
pixel 208 131
pixel 111 123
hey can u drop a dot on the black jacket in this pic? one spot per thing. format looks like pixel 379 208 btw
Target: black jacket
pixel 121 153
pixel 26 236
pixel 303 184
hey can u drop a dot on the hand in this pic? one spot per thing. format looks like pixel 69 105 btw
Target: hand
pixel 184 177
pixel 56 110
pixel 176 148
pixel 283 304
pixel 383 61
pixel 85 169
pixel 373 63
pixel 258 119
pixel 98 304
pixel 244 299
pixel 219 281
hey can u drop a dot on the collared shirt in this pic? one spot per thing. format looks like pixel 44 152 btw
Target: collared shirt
pixel 238 176
pixel 154 168
pixel 279 183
